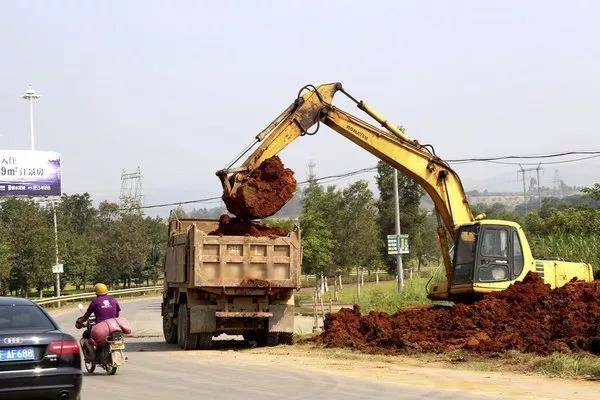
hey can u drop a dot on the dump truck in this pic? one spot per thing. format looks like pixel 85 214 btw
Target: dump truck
pixel 237 285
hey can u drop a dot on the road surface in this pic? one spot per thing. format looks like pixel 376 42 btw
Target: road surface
pixel 156 370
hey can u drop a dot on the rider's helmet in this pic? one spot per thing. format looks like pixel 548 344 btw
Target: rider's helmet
pixel 100 289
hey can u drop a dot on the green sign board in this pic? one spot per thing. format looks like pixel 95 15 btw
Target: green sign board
pixel 397 244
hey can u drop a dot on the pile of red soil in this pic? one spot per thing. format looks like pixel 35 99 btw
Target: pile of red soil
pixel 229 226
pixel 262 192
pixel 528 317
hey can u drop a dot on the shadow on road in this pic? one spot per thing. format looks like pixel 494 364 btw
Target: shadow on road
pixel 158 346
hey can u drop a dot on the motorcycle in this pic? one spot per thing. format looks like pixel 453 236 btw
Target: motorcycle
pixel 109 357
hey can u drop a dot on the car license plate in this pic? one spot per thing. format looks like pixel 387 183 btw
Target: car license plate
pixel 17 354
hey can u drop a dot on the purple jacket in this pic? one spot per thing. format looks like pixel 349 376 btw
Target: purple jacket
pixel 103 307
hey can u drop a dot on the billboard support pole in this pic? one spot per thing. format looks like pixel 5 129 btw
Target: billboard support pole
pixel 56 248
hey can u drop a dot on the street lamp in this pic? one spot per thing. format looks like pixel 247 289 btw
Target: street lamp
pixel 31 95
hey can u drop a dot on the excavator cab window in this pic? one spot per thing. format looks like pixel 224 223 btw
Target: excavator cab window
pixel 494 263
pixel 465 253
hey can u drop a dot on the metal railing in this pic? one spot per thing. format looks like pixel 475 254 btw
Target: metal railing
pixel 86 296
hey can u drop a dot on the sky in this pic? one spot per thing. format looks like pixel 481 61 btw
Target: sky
pixel 179 88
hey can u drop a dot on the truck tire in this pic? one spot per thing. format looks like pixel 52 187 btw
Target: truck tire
pixel 169 330
pixel 286 338
pixel 186 340
pixel 204 340
pixel 271 339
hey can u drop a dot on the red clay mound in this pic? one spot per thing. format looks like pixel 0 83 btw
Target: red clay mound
pixel 229 226
pixel 528 317
pixel 263 191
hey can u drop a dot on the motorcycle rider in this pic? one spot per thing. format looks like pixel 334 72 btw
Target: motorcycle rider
pixel 103 307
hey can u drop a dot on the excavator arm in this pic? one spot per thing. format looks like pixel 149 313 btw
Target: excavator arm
pixel 313 107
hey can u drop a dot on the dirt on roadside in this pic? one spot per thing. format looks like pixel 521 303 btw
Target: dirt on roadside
pixel 528 317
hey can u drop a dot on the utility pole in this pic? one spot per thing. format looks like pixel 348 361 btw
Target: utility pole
pixel 31 95
pixel 522 171
pixel 537 170
pixel 399 268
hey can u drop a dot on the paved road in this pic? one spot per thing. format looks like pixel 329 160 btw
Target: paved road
pixel 156 370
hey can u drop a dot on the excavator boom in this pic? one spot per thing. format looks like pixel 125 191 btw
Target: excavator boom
pixel 313 106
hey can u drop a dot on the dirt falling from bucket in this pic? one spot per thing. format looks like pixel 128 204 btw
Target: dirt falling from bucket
pixel 262 192
pixel 528 317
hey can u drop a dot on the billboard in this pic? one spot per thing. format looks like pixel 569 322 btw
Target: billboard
pixel 29 173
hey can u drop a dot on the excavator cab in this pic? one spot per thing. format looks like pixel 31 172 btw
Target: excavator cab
pixel 488 255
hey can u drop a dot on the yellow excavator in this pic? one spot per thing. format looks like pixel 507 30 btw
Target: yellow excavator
pixel 487 255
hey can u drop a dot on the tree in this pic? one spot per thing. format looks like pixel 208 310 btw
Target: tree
pixel 77 212
pixel 156 231
pixel 5 261
pixel 358 228
pixel 77 223
pixel 317 243
pixel 31 243
pixel 592 191
pixel 123 243
pixel 317 238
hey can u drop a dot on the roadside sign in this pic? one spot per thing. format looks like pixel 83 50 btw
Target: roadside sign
pixel 58 269
pixel 397 244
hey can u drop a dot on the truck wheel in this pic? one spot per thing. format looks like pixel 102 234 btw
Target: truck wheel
pixel 271 339
pixel 204 340
pixel 251 338
pixel 286 338
pixel 169 330
pixel 186 340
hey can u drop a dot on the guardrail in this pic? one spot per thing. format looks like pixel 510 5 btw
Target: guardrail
pixel 87 296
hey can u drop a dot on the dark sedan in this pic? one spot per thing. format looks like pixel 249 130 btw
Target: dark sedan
pixel 37 359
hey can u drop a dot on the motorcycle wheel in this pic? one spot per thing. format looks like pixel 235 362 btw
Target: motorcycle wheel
pixel 110 370
pixel 90 366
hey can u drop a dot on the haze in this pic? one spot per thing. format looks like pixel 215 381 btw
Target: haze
pixel 179 88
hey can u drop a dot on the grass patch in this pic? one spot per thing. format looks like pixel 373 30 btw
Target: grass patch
pixel 377 297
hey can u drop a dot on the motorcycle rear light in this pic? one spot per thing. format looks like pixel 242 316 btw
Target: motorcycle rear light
pixel 63 347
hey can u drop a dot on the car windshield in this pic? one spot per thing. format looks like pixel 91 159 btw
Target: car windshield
pixel 15 318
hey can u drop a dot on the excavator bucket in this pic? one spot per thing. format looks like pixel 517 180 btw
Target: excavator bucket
pixel 259 193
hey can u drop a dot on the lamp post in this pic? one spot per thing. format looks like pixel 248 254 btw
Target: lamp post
pixel 31 95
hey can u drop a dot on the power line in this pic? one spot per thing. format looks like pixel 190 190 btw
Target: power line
pixel 551 155
pixel 336 177
pixel 177 203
